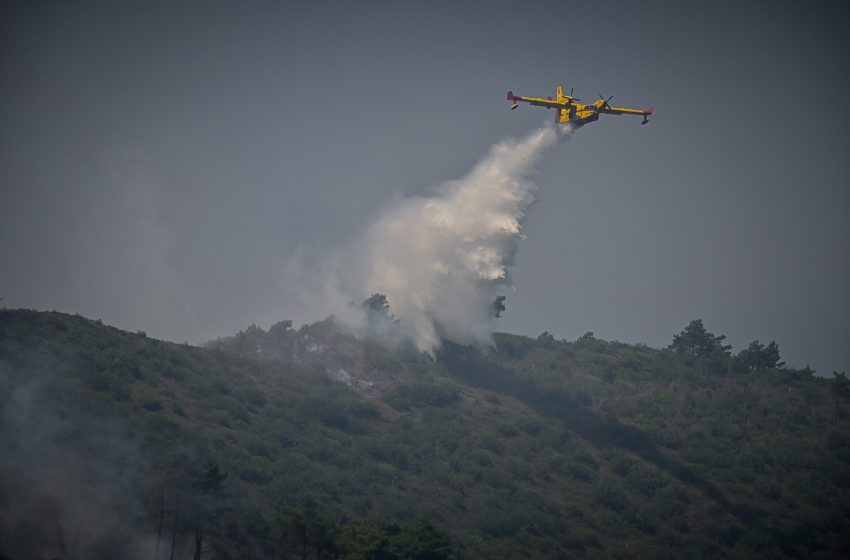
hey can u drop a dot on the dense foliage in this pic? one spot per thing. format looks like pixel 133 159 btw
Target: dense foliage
pixel 311 442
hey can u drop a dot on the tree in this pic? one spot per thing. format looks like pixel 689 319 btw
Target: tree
pixel 362 539
pixel 281 331
pixel 696 341
pixel 840 384
pixel 758 357
pixel 310 529
pixel 421 541
pixel 498 306
pixel 377 307
pixel 380 323
pixel 546 337
pixel 161 511
pixel 300 522
pixel 771 357
pixel 207 485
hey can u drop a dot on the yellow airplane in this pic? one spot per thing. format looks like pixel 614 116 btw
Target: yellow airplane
pixel 569 110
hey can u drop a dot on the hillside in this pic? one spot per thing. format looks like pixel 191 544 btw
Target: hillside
pixel 270 443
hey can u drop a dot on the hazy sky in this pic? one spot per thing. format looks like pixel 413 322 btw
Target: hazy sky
pixel 162 163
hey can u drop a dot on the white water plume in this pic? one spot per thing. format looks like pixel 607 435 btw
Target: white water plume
pixel 441 259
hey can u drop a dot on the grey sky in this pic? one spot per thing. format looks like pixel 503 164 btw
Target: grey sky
pixel 161 163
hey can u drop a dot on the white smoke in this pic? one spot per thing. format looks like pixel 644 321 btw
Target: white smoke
pixel 442 259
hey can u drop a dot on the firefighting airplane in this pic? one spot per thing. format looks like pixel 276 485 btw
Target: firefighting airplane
pixel 577 114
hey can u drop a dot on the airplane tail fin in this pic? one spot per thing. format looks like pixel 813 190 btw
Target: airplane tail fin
pixel 513 98
pixel 646 114
pixel 559 91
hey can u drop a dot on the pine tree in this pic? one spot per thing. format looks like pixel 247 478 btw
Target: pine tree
pixel 696 341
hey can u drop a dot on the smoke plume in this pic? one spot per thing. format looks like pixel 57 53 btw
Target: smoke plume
pixel 67 484
pixel 441 259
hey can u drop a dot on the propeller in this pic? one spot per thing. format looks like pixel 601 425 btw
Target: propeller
pixel 571 96
pixel 605 101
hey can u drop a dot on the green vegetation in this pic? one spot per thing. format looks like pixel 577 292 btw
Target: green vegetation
pixel 312 443
pixel 696 341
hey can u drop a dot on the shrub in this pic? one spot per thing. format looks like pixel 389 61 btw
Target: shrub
pixel 152 405
pixel 422 394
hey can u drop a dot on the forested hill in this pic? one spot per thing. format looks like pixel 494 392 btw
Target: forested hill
pixel 283 443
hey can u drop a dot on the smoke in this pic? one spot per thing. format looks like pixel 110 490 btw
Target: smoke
pixel 67 488
pixel 442 259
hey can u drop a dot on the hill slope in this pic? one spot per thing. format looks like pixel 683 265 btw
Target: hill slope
pixel 111 443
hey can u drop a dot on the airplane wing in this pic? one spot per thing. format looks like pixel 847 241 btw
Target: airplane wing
pixel 607 109
pixel 621 111
pixel 539 101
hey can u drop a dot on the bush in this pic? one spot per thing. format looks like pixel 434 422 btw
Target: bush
pixel 609 495
pixel 422 394
pixel 514 347
pixel 97 381
pixel 491 444
pixel 500 524
pixel 152 405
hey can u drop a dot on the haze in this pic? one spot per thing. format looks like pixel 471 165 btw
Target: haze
pixel 162 165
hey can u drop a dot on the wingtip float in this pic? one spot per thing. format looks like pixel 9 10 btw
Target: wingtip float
pixel 569 109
